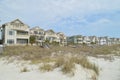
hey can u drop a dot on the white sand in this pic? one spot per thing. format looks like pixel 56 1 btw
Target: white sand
pixel 11 71
pixel 109 69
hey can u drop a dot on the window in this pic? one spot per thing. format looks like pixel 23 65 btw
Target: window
pixel 10 41
pixel 40 32
pixel 11 32
pixel 41 38
pixel 22 33
pixel 22 41
pixel 35 32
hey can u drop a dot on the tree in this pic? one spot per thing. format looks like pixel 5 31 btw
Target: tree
pixel 32 39
pixel 93 43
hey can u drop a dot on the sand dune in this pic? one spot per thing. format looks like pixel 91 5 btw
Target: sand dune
pixel 109 70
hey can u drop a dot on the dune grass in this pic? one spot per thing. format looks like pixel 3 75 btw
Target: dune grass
pixel 60 57
pixel 59 62
pixel 67 65
pixel 24 69
pixel 68 68
pixel 27 51
pixel 46 67
pixel 84 62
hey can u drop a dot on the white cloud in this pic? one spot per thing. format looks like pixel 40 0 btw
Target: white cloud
pixel 50 12
pixel 51 9
pixel 101 21
pixel 60 7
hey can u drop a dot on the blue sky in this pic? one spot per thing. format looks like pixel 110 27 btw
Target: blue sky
pixel 84 17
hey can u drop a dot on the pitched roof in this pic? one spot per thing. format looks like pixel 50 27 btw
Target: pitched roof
pixel 50 30
pixel 16 21
pixel 37 28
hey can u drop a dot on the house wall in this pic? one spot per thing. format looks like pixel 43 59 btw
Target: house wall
pixel 10 34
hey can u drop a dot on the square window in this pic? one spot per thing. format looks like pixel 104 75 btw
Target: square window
pixel 10 41
pixel 11 32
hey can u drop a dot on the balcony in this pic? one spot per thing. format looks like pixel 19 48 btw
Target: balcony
pixel 22 34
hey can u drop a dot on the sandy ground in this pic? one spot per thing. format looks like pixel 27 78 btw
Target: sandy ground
pixel 109 70
pixel 12 71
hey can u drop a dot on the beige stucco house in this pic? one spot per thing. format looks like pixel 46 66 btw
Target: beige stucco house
pixel 62 38
pixel 86 40
pixel 78 39
pixel 48 36
pixel 39 34
pixel 93 39
pixel 51 36
pixel 15 33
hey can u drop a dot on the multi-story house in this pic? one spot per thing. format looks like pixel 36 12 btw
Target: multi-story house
pixel 86 40
pixel 70 40
pixel 39 35
pixel 47 36
pixel 93 39
pixel 62 38
pixel 59 37
pixel 114 40
pixel 117 40
pixel 78 39
pixel 15 33
pixel 51 36
pixel 103 40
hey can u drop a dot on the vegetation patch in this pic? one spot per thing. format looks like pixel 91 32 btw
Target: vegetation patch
pixel 59 62
pixel 46 67
pixel 24 70
pixel 61 58
pixel 68 68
